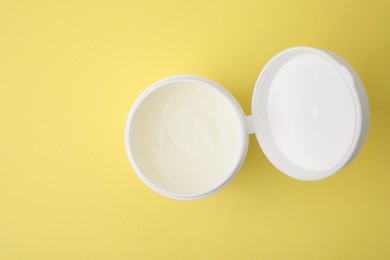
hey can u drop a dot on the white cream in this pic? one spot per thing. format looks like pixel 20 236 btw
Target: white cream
pixel 186 138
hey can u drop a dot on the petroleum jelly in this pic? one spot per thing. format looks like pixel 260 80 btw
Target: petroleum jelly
pixel 186 138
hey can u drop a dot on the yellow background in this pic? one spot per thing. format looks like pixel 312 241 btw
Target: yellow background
pixel 69 73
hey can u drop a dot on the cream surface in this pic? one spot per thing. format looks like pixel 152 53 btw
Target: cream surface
pixel 186 138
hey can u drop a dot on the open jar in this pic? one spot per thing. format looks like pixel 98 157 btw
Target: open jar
pixel 187 137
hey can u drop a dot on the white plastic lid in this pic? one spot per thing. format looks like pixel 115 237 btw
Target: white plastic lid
pixel 310 112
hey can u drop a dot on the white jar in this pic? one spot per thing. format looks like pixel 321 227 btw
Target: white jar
pixel 187 137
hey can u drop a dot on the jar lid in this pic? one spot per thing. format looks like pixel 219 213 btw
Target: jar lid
pixel 310 112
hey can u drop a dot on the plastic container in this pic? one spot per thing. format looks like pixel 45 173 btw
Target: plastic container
pixel 310 114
